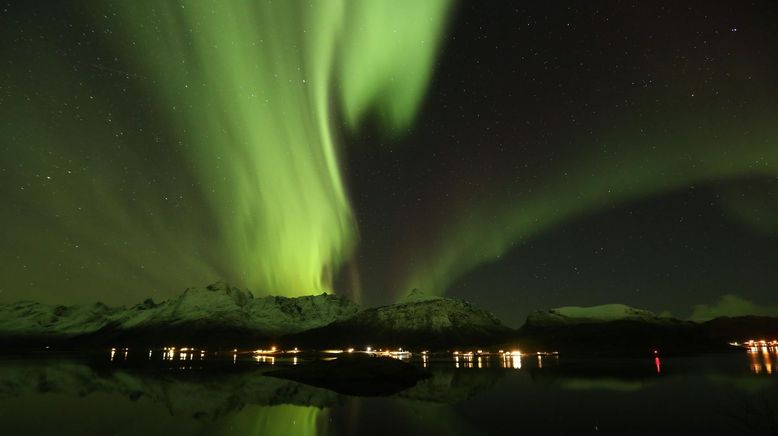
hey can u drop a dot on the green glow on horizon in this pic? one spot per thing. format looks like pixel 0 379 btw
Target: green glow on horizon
pixel 251 85
pixel 730 305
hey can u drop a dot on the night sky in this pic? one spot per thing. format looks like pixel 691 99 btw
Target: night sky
pixel 520 155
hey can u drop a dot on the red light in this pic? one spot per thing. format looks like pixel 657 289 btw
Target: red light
pixel 658 365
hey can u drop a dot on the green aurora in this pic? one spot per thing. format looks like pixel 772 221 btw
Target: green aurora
pixel 249 88
pixel 253 84
pixel 199 140
pixel 642 162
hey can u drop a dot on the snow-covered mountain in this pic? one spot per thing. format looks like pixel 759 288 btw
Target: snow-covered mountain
pixel 217 308
pixel 591 314
pixel 230 306
pixel 227 316
pixel 612 329
pixel 417 320
pixel 417 296
pixel 222 315
pixel 27 318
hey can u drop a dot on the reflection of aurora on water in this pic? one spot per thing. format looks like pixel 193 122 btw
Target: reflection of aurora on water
pixel 241 400
pixel 282 419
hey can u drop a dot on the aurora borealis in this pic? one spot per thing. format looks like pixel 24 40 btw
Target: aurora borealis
pixel 518 155
pixel 256 110
pixel 248 90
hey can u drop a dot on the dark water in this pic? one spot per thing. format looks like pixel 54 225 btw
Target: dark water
pixel 713 394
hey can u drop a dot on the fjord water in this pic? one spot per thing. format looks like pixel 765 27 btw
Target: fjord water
pixel 735 393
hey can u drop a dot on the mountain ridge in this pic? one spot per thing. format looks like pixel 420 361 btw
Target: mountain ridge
pixel 226 316
pixel 217 308
pixel 418 321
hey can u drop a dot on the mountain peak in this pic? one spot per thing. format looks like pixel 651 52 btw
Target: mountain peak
pixel 220 286
pixel 591 314
pixel 200 313
pixel 238 296
pixel 604 312
pixel 416 295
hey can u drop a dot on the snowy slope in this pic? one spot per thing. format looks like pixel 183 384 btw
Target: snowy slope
pixel 613 329
pixel 605 312
pixel 217 305
pixel 416 296
pixel 417 320
pixel 30 318
pixel 592 314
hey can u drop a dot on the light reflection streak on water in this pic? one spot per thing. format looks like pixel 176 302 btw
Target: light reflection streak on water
pixel 462 359
pixel 512 360
pixel 761 358
pixel 113 353
pixel 481 359
pixel 269 359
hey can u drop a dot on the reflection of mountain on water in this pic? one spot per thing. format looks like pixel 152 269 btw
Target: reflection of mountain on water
pixel 628 374
pixel 210 392
pixel 600 374
pixel 200 393
pixel 453 385
pixel 213 390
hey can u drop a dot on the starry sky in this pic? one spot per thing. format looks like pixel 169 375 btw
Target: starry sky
pixel 521 155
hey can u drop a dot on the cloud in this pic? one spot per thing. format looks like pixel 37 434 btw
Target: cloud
pixel 730 305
